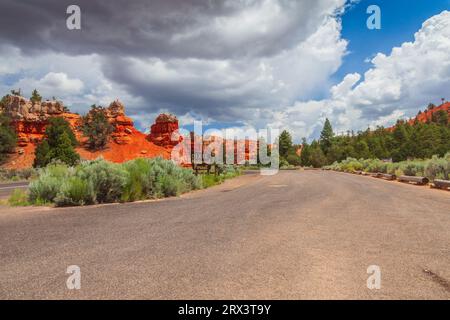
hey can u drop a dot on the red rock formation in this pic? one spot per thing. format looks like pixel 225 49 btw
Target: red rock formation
pixel 127 143
pixel 161 132
pixel 30 120
pixel 427 115
pixel 124 127
pixel 243 150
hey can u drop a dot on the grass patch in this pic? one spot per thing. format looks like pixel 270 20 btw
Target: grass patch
pixel 227 172
pixel 19 197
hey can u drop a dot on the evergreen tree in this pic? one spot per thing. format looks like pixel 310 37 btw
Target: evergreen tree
pixel 317 158
pixel 305 155
pixel 64 151
pixel 58 144
pixel 417 140
pixel 97 128
pixel 57 126
pixel 285 144
pixel 16 92
pixel 326 136
pixel 42 155
pixel 35 96
pixel 440 117
pixel 8 137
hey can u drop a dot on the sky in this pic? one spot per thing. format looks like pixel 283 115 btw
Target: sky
pixel 238 64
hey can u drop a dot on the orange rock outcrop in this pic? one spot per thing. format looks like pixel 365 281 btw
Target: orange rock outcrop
pixel 30 120
pixel 126 142
pixel 162 132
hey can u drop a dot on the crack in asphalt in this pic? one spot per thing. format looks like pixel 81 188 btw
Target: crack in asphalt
pixel 438 279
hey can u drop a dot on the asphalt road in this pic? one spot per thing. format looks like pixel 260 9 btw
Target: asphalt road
pixel 7 188
pixel 296 235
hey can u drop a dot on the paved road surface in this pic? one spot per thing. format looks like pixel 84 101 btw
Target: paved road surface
pixel 297 235
pixel 7 188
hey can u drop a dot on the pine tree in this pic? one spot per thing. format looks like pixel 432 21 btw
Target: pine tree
pixel 285 144
pixel 97 128
pixel 42 154
pixel 326 136
pixel 35 96
pixel 8 137
pixel 58 144
pixel 16 92
pixel 57 126
pixel 440 117
pixel 64 151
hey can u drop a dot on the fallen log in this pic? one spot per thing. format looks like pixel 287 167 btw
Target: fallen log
pixel 387 176
pixel 416 180
pixel 441 184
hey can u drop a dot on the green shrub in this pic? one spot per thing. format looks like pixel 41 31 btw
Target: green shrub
pixel 293 159
pixel 19 197
pixel 170 186
pixel 183 179
pixel 209 180
pixel 413 168
pixel 107 179
pixel 49 183
pixel 434 168
pixel 283 163
pixel 75 192
pixel 15 175
pixel 100 181
pixel 96 128
pixel 8 137
pixel 438 168
pixel 376 165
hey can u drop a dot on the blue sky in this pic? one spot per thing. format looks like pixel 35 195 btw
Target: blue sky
pixel 400 20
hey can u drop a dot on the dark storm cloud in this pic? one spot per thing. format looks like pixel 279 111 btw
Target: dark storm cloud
pixel 191 88
pixel 163 28
pixel 224 60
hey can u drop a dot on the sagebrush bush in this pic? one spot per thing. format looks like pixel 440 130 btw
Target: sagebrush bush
pixel 376 165
pixel 107 179
pixel 100 181
pixel 49 183
pixel 438 168
pixel 413 168
pixel 435 168
pixel 168 179
pixel 140 181
pixel 75 192
pixel 15 175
